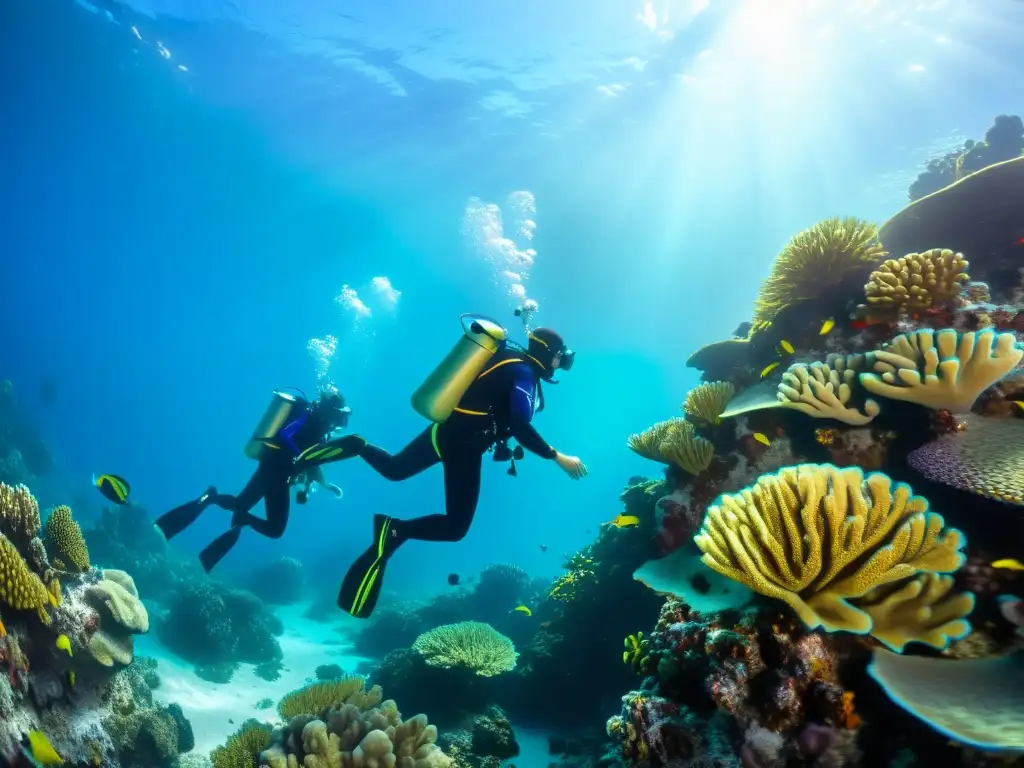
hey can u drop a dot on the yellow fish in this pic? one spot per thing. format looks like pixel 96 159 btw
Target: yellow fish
pixel 1009 564
pixel 827 326
pixel 42 750
pixel 786 347
pixel 768 370
pixel 1019 404
pixel 64 644
pixel 71 679
pixel 624 521
pixel 762 438
pixel 522 609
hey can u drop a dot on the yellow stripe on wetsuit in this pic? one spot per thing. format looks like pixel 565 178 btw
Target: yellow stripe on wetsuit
pixel 371 575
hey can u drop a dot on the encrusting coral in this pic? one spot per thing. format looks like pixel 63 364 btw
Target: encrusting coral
pixel 823 390
pixel 706 401
pixel 918 280
pixel 470 645
pixel 818 261
pixel 985 458
pixel 821 539
pixel 941 369
pixel 65 540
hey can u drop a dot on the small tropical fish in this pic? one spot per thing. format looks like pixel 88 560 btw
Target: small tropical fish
pixel 762 438
pixel 64 644
pixel 543 547
pixel 1009 564
pixel 859 325
pixel 522 609
pixel 1019 404
pixel 624 521
pixel 769 368
pixel 115 488
pixel 71 679
pixel 42 750
pixel 453 579
pixel 827 326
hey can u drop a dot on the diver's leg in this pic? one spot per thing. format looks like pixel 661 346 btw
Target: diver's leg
pixel 239 506
pixel 462 492
pixel 178 519
pixel 419 455
pixel 277 502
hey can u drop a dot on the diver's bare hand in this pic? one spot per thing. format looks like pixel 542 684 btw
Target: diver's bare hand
pixel 571 465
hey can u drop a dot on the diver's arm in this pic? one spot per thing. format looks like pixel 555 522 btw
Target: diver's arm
pixel 288 433
pixel 524 388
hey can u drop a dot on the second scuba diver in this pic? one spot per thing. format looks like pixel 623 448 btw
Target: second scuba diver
pixel 292 426
pixel 486 391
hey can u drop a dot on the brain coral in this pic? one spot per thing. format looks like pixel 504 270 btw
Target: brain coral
pixel 987 458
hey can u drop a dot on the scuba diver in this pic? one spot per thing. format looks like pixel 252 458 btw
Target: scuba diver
pixel 485 392
pixel 290 426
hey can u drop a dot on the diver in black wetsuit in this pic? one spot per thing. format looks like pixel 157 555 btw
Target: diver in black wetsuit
pixel 292 425
pixel 499 404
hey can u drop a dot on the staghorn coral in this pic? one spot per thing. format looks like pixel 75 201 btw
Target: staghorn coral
pixel 121 615
pixel 975 701
pixel 823 390
pixel 243 747
pixel 986 458
pixel 918 280
pixel 469 644
pixel 19 515
pixel 21 589
pixel 65 539
pixel 707 401
pixel 823 259
pixel 941 369
pixel 315 698
pixel 820 538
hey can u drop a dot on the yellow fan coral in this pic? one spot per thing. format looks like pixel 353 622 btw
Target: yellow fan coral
pixel 687 450
pixel 917 280
pixel 824 390
pixel 820 538
pixel 648 443
pixel 941 369
pixel 468 644
pixel 820 261
pixel 65 538
pixel 923 609
pixel 706 401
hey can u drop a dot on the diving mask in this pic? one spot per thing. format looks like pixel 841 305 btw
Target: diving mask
pixel 568 359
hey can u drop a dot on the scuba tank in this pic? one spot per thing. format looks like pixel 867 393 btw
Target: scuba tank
pixel 436 398
pixel 281 410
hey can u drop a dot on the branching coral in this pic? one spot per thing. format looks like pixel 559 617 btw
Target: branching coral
pixel 822 259
pixel 674 441
pixel 707 401
pixel 820 538
pixel 823 390
pixel 469 644
pixel 65 539
pixel 243 747
pixel 918 280
pixel 314 699
pixel 986 458
pixel 941 369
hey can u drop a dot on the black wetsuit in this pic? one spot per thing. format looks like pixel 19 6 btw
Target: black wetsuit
pixel 498 405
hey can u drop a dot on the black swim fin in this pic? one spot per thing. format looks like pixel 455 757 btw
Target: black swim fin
pixel 361 586
pixel 342 448
pixel 219 547
pixel 180 518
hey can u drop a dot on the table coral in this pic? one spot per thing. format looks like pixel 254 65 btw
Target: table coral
pixel 824 390
pixel 941 369
pixel 818 538
pixel 469 644
pixel 918 280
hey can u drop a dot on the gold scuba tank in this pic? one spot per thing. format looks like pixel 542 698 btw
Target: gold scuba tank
pixel 283 407
pixel 436 398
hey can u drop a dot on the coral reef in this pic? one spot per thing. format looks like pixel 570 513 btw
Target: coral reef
pixel 281 581
pixel 469 644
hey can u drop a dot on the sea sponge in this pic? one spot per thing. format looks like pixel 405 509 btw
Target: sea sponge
pixel 986 458
pixel 243 747
pixel 314 699
pixel 20 588
pixel 706 401
pixel 824 390
pixel 19 515
pixel 121 615
pixel 65 538
pixel 941 369
pixel 918 280
pixel 818 538
pixel 823 260
pixel 468 644
pixel 977 702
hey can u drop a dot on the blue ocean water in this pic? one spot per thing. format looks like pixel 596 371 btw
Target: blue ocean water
pixel 188 189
